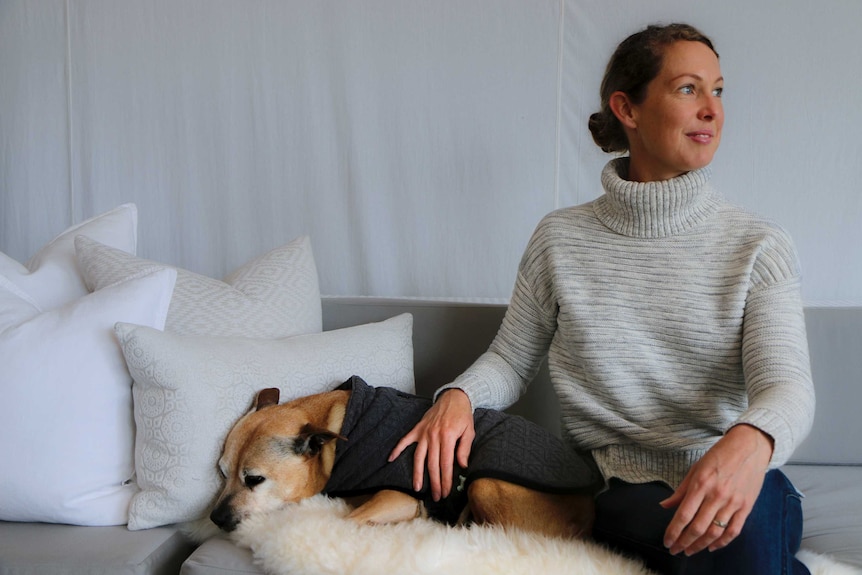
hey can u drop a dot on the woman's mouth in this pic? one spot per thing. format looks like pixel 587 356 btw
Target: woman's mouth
pixel 701 136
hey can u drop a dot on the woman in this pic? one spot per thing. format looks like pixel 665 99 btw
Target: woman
pixel 674 331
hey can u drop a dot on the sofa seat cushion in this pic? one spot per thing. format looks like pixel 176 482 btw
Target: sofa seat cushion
pixel 49 549
pixel 832 507
pixel 220 555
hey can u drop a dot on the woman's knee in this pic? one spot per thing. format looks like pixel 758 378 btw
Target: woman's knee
pixel 772 533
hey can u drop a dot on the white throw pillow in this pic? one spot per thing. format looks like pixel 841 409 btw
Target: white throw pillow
pixel 51 279
pixel 66 422
pixel 189 391
pixel 274 295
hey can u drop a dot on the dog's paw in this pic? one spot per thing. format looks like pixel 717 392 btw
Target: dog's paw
pixel 387 507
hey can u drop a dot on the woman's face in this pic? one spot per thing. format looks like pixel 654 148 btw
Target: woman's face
pixel 677 127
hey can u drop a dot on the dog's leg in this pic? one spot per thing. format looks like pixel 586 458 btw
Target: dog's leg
pixel 388 506
pixel 503 503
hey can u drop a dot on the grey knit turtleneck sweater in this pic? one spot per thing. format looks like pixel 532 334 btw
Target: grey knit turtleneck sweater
pixel 668 316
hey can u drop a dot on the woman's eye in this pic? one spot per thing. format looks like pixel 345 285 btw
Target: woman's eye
pixel 687 90
pixel 718 92
pixel 252 480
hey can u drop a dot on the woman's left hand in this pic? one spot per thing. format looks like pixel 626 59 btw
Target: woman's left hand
pixel 718 492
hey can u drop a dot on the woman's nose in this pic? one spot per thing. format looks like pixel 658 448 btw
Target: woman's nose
pixel 711 108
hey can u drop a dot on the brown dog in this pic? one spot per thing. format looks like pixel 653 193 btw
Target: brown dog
pixel 278 454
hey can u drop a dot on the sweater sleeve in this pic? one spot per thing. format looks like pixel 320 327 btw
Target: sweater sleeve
pixel 499 377
pixel 775 351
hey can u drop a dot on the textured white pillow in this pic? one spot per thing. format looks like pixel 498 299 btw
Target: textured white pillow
pixel 66 422
pixel 274 295
pixel 189 391
pixel 51 279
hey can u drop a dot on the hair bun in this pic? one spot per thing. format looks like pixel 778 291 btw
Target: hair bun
pixel 607 132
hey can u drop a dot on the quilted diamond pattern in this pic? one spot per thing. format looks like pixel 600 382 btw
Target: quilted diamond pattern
pixel 274 295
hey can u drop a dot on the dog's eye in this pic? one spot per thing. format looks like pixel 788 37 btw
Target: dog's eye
pixel 252 480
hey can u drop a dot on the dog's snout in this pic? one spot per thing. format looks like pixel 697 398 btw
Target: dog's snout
pixel 224 517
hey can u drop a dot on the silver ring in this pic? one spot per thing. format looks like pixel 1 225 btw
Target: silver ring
pixel 720 523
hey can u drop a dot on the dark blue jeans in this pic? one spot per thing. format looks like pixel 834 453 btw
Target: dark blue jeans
pixel 630 520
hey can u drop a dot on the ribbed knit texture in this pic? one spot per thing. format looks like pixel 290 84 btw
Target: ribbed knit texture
pixel 667 315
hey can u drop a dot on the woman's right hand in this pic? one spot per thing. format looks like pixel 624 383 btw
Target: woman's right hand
pixel 444 433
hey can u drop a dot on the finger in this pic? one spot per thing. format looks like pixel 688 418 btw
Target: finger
pixel 419 466
pixel 712 533
pixel 718 521
pixel 451 441
pixel 447 459
pixel 677 496
pixel 700 532
pixel 464 446
pixel 695 532
pixel 399 448
pixel 688 504
pixel 692 520
pixel 433 462
pixel 734 528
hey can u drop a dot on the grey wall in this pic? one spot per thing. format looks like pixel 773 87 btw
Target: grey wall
pixel 418 143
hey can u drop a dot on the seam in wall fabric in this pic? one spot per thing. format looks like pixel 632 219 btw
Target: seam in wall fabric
pixel 69 122
pixel 559 111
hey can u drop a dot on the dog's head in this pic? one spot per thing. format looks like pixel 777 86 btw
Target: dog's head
pixel 277 454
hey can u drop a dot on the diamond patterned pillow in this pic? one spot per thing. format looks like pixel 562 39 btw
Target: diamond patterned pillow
pixel 274 295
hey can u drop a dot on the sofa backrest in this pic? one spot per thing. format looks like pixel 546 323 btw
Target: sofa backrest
pixel 835 344
pixel 449 336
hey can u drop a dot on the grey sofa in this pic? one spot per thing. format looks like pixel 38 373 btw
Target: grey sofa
pixel 447 338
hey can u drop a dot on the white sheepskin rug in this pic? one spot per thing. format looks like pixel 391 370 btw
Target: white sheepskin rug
pixel 314 538
pixel 825 565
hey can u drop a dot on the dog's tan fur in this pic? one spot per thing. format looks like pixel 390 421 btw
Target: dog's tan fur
pixel 279 454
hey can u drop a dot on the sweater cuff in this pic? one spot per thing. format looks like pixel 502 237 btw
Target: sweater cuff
pixel 773 425
pixel 475 382
pixel 450 386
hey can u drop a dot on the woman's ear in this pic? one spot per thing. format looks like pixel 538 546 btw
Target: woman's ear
pixel 623 109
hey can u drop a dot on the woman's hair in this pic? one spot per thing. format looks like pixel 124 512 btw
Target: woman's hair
pixel 636 61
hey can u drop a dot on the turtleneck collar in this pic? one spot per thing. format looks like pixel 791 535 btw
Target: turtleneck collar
pixel 654 209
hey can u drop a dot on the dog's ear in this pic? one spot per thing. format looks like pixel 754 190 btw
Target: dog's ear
pixel 265 398
pixel 312 439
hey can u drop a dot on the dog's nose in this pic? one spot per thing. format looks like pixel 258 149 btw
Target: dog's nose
pixel 224 518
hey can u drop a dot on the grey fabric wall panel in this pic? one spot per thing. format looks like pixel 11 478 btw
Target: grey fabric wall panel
pixel 417 143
